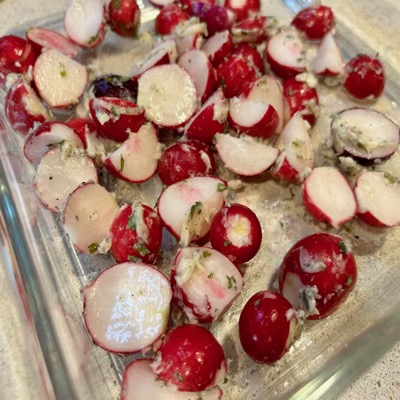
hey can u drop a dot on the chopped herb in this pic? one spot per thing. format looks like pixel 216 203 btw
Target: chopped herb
pixel 195 209
pixel 347 228
pixel 93 247
pixel 206 254
pixel 227 243
pixel 122 163
pixel 299 60
pixel 134 259
pixel 179 377
pixel 199 396
pixel 52 145
pixel 141 248
pixel 116 5
pixel 390 178
pixel 349 280
pixel 362 146
pixel 221 187
pixel 210 276
pixel 281 224
pixel 63 71
pixel 297 142
pixel 93 39
pixel 256 303
pixel 131 221
pixel 223 84
pixel 225 381
pixel 231 282
pixel 114 111
pixel 343 248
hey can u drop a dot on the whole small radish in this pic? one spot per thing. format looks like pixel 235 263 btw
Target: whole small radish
pixel 168 18
pixel 124 17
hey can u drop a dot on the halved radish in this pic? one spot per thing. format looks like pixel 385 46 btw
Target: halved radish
pixel 126 308
pixel 141 383
pixel 285 54
pixel 205 283
pixel 252 56
pixel 244 155
pixel 124 17
pixel 168 18
pixel 218 46
pixel 189 35
pixel 116 118
pixel 200 69
pixel 48 135
pixel 328 196
pixel 243 8
pixel 83 127
pixel 296 151
pixel 210 119
pixel 60 172
pixel 162 3
pixel 364 133
pixel 168 95
pixel 88 215
pixel 254 117
pixel 378 199
pixel 60 80
pixel 136 160
pixel 187 207
pixel 42 39
pixel 84 22
pixel 23 108
pixel 216 17
pixel 250 30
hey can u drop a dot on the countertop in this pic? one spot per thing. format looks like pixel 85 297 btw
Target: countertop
pixel 18 377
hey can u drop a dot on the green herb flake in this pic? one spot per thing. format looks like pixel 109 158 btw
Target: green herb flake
pixel 141 248
pixel 132 221
pixel 179 377
pixel 349 280
pixel 63 71
pixel 114 111
pixel 122 163
pixel 231 282
pixel 223 84
pixel 116 5
pixel 256 303
pixel 362 146
pixel 134 259
pixel 206 254
pixel 227 243
pixel 210 276
pixel 297 143
pixel 93 39
pixel 390 178
pixel 93 247
pixel 343 248
pixel 221 187
pixel 195 209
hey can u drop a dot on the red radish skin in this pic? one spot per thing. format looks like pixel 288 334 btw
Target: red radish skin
pixel 190 5
pixel 136 233
pixel 124 17
pixel 185 159
pixel 250 30
pixel 317 274
pixel 140 382
pixel 168 18
pixel 243 9
pixel 365 78
pixel 42 39
pixel 218 47
pixel 190 358
pixel 328 196
pixel 83 127
pixel 268 326
pixel 126 308
pixel 252 56
pixel 328 62
pixel 236 232
pixel 216 17
pixel 314 22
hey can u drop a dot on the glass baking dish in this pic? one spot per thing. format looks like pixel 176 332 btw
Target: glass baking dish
pixel 329 354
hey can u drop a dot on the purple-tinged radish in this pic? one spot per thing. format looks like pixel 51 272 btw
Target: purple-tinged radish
pixel 111 85
pixel 243 155
pixel 87 218
pixel 328 196
pixel 364 133
pixel 218 46
pixel 187 207
pixel 140 383
pixel 126 308
pixel 136 160
pixel 59 80
pixel 378 199
pixel 61 170
pixel 48 135
pixel 168 95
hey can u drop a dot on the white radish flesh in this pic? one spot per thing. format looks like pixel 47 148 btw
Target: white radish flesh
pixel 218 46
pixel 126 308
pixel 328 60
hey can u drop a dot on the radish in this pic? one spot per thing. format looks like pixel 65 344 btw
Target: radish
pixel 253 117
pixel 185 159
pixel 216 17
pixel 236 232
pixel 168 95
pixel 243 8
pixel 218 46
pixel 60 171
pixel 84 22
pixel 136 160
pixel 378 195
pixel 112 85
pixel 365 78
pixel 126 308
pixel 87 217
pixel 59 80
pixel 48 135
pixel 84 128
pixel 364 133
pixel 285 54
pixel 42 39
pixel 268 326
pixel 124 17
pixel 210 119
pixel 190 359
pixel 328 196
pixel 168 18
pixel 161 3
pixel 317 274
pixel 189 35
pixel 243 155
pixel 251 55
pixel 140 382
pixel 204 283
pixel 296 151
pixel 23 108
pixel 187 207
pixel 250 30
pixel 196 63
pixel 116 118
pixel 314 22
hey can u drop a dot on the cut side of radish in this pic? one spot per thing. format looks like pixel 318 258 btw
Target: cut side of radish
pixel 88 215
pixel 48 135
pixel 60 172
pixel 205 283
pixel 189 35
pixel 378 199
pixel 328 61
pixel 187 207
pixel 328 196
pixel 218 46
pixel 141 383
pixel 126 309
pixel 244 155
pixel 136 160
pixel 168 95
pixel 364 133
pixel 60 80
pixel 42 38
pixel 161 3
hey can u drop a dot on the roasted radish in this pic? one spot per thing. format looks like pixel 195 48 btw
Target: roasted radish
pixel 218 46
pixel 168 18
pixel 126 308
pixel 317 274
pixel 124 17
